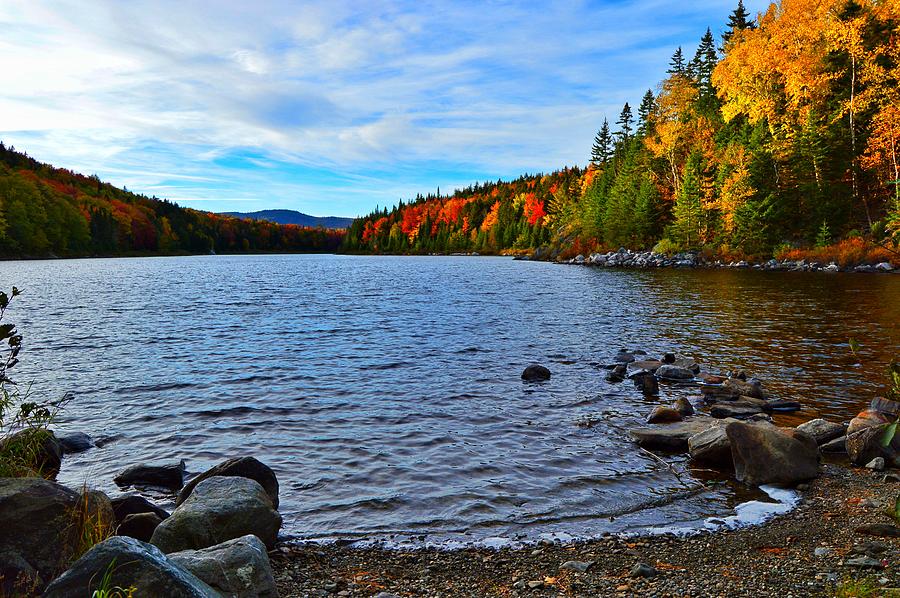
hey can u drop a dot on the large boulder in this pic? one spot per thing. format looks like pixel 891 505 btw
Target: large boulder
pixel 132 504
pixel 867 419
pixel 34 449
pixel 866 444
pixel 822 431
pixel 95 511
pixel 238 567
pixel 771 455
pixel 130 563
pixel 36 531
pixel 219 509
pixel 535 373
pixel 711 446
pixel 245 467
pixel 168 477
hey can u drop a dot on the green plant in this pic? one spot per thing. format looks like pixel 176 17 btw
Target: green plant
pixel 857 588
pixel 24 423
pixel 667 247
pixel 823 237
pixel 107 590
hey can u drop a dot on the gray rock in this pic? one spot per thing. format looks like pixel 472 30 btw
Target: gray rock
pixel 877 464
pixel 747 388
pixel 736 409
pixel 75 442
pixel 579 566
pixel 822 431
pixel 132 504
pixel 643 570
pixel 838 445
pixel 624 357
pixel 535 373
pixel 245 467
pixel 651 365
pixel 711 446
pixel 238 567
pixel 864 562
pixel 663 415
pixel 823 551
pixel 770 455
pixel 782 405
pixel 132 563
pixel 646 382
pixel 36 531
pixel 671 437
pixel 169 477
pixel 139 526
pixel 219 509
pixel 673 372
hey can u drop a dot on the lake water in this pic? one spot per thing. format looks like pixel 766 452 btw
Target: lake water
pixel 386 394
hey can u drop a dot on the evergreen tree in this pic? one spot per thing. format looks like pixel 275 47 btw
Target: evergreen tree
pixel 602 149
pixel 645 112
pixel 688 209
pixel 738 21
pixel 624 122
pixel 704 63
pixel 676 64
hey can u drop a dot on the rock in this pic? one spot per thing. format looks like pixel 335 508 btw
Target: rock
pixel 686 363
pixel 646 382
pixel 651 365
pixel 867 419
pixel 132 504
pixel 579 566
pixel 238 567
pixel 663 415
pixel 822 431
pixel 671 437
pixel 748 388
pixel 882 530
pixel 169 477
pixel 535 584
pixel 96 506
pixel 864 561
pixel 38 449
pixel 872 548
pixel 866 444
pixel 876 464
pixel 136 564
pixel 36 531
pixel 219 509
pixel 823 551
pixel 884 267
pixel 684 407
pixel 643 570
pixel 668 358
pixel 76 442
pixel 535 373
pixel 673 372
pixel 623 357
pixel 245 467
pixel 617 374
pixel 711 378
pixel 737 410
pixel 770 455
pixel 838 445
pixel 711 446
pixel 139 526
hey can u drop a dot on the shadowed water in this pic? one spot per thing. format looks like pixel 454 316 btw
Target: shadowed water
pixel 385 391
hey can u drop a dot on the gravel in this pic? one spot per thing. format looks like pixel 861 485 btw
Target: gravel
pixel 807 552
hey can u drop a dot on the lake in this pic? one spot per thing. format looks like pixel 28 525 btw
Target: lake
pixel 385 392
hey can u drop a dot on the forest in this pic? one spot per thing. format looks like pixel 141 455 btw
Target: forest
pixel 47 211
pixel 781 136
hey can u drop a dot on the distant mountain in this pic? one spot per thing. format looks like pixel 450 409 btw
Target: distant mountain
pixel 294 217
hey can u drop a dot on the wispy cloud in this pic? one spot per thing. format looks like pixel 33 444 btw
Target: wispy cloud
pixel 323 106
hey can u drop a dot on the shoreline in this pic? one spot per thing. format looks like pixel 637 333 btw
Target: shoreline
pixel 804 552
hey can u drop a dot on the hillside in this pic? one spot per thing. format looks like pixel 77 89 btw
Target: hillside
pixel 779 137
pixel 294 217
pixel 48 211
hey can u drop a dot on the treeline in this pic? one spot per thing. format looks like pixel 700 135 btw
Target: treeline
pixel 784 132
pixel 51 211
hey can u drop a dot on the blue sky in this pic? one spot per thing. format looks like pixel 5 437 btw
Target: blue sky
pixel 330 108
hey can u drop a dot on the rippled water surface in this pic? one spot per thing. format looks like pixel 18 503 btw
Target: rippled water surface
pixel 385 391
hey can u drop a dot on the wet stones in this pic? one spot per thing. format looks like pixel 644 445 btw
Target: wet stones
pixel 671 437
pixel 822 431
pixel 646 382
pixel 245 467
pixel 535 373
pixel 684 407
pixel 169 477
pixel 617 374
pixel 771 455
pixel 662 415
pixel 674 372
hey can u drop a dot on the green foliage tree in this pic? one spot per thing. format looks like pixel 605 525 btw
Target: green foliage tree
pixel 602 149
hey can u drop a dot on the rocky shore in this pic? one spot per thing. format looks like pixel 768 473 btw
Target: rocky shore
pixel 626 258
pixel 222 538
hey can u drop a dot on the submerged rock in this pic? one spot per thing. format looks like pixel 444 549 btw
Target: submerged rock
pixel 132 504
pixel 771 455
pixel 219 509
pixel 130 563
pixel 169 477
pixel 646 382
pixel 75 442
pixel 673 372
pixel 245 467
pixel 238 567
pixel 535 373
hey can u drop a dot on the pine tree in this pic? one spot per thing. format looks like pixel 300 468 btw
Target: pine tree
pixel 688 209
pixel 602 149
pixel 645 112
pixel 624 122
pixel 738 21
pixel 676 64
pixel 704 63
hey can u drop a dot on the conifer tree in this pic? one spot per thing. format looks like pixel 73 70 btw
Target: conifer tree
pixel 738 21
pixel 676 64
pixel 704 63
pixel 688 210
pixel 645 112
pixel 602 149
pixel 624 122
